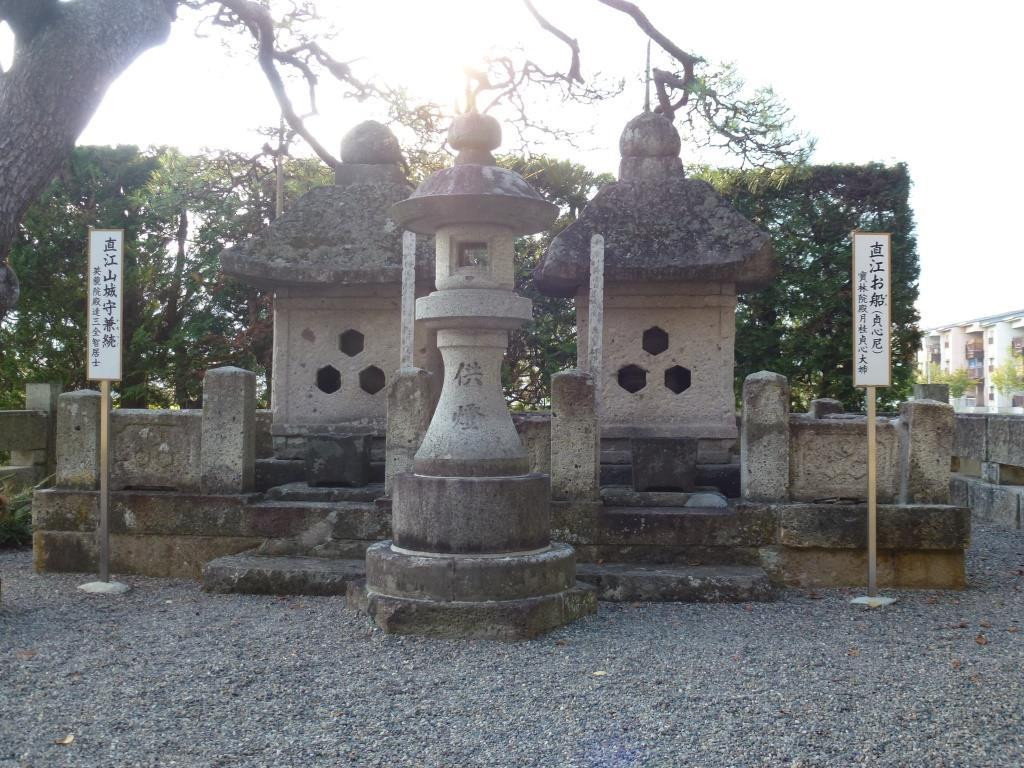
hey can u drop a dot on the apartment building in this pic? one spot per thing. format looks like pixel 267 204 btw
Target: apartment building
pixel 979 346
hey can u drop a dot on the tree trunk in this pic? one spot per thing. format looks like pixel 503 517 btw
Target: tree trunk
pixel 66 56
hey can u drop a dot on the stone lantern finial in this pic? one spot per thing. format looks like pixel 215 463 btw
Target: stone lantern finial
pixel 371 143
pixel 474 136
pixel 649 146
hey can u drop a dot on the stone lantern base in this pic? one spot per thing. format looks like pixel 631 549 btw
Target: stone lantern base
pixel 484 583
pixel 505 581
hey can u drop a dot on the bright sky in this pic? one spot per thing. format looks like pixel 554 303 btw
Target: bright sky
pixel 934 84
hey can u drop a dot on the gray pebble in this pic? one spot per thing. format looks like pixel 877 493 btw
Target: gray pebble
pixel 169 676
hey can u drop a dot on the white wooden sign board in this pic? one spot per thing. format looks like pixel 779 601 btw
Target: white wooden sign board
pixel 872 309
pixel 105 304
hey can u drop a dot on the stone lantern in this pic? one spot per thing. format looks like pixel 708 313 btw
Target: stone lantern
pixel 676 256
pixel 471 554
pixel 334 262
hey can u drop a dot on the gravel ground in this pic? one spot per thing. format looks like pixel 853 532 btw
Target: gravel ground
pixel 168 676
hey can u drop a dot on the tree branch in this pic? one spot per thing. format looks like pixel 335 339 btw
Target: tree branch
pixel 688 60
pixel 260 24
pixel 574 65
pixel 27 17
pixel 58 80
pixel 662 80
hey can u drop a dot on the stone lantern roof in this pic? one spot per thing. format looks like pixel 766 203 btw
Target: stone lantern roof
pixel 657 224
pixel 340 234
pixel 475 190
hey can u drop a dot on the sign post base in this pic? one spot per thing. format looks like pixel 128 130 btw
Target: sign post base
pixel 104 588
pixel 873 602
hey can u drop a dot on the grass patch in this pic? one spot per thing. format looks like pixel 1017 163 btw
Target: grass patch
pixel 16 519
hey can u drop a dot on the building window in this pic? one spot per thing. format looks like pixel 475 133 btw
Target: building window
pixel 946 343
pixel 991 396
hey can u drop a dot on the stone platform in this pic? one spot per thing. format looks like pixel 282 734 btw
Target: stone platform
pixel 163 533
pixel 158 533
pixel 624 582
pixel 253 573
pixel 797 544
pixel 508 620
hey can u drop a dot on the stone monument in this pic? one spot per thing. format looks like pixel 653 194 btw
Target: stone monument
pixel 334 262
pixel 676 255
pixel 471 554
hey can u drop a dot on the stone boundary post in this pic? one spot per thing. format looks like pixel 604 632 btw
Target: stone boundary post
pixel 228 449
pixel 764 438
pixel 41 397
pixel 939 392
pixel 409 412
pixel 575 438
pixel 926 445
pixel 78 440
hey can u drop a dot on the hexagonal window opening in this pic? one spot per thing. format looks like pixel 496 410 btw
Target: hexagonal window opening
pixel 655 340
pixel 372 380
pixel 328 379
pixel 677 378
pixel 351 342
pixel 632 378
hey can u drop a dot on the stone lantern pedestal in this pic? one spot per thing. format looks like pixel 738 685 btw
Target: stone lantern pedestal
pixel 471 554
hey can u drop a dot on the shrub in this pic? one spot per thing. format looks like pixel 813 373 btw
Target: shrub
pixel 16 519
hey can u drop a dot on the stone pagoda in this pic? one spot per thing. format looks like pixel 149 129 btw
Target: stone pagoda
pixel 334 262
pixel 676 255
pixel 471 554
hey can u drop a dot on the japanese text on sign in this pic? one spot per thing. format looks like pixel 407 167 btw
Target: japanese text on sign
pixel 105 287
pixel 872 317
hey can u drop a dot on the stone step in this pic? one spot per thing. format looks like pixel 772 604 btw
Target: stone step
pixel 624 582
pixel 685 526
pixel 724 477
pixel 271 472
pixel 319 519
pixel 251 573
pixel 616 474
pixel 302 491
pixel 255 574
pixel 625 496
pixel 616 457
pixel 278 471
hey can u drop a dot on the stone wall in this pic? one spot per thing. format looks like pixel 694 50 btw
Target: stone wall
pixel 828 458
pixel 181 482
pixel 28 436
pixel 822 455
pixel 155 449
pixel 797 543
pixel 988 465
pixel 159 449
pixel 163 449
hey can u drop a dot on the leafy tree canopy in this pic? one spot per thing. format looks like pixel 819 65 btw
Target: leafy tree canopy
pixel 800 326
pixel 181 315
pixel 1008 377
pixel 64 62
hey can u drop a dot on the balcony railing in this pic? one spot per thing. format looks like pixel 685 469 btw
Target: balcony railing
pixel 1017 346
pixel 976 374
pixel 975 350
